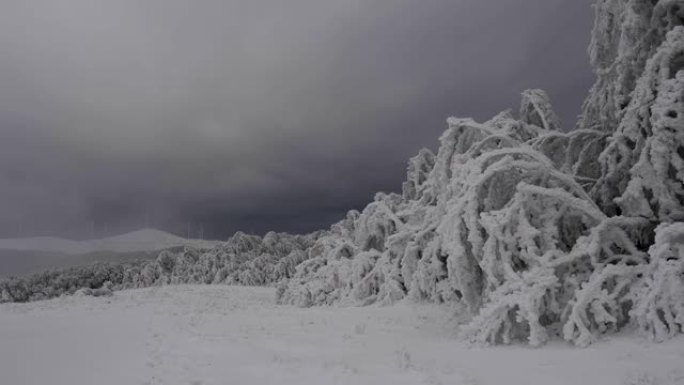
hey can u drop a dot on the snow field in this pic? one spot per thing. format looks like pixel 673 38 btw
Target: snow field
pixel 205 335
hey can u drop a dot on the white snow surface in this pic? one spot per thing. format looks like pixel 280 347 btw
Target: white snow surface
pixel 140 240
pixel 205 335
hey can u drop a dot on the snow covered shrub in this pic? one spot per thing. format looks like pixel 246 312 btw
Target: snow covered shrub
pixel 14 290
pixel 104 291
pixel 326 276
pixel 166 262
pixel 286 267
pixel 602 301
pixel 243 259
pixel 53 283
pixel 659 311
pixel 516 257
pixel 521 238
pixel 408 245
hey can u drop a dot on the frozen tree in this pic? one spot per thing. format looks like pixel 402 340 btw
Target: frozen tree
pixel 626 34
pixel 655 186
pixel 636 52
pixel 534 231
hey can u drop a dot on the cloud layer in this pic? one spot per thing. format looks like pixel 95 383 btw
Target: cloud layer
pixel 253 115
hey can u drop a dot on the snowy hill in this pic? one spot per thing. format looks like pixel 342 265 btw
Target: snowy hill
pixel 141 240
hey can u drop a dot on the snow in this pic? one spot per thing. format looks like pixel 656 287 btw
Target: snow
pixel 208 335
pixel 513 232
pixel 140 240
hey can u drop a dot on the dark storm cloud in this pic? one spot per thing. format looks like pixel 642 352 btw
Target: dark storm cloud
pixel 253 115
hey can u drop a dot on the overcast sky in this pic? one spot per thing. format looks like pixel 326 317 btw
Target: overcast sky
pixel 253 114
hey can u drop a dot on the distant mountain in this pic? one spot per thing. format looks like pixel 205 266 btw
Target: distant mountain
pixel 140 240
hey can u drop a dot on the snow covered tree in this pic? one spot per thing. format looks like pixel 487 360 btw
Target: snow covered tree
pixel 534 231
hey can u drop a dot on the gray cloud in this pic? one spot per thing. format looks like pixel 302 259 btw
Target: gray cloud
pixel 253 115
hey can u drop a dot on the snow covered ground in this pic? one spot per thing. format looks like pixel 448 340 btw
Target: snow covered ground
pixel 203 335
